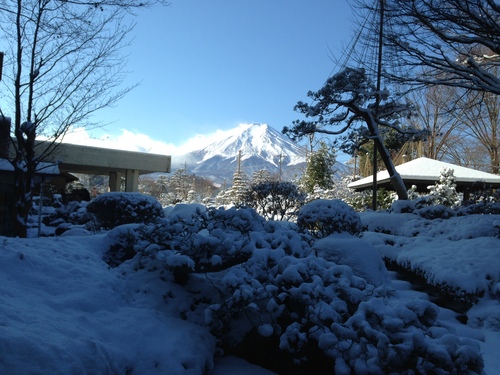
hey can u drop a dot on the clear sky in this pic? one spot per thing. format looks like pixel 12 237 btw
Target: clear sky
pixel 205 66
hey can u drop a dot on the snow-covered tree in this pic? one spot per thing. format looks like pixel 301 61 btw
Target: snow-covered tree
pixel 260 176
pixel 319 171
pixel 236 194
pixel 239 188
pixel 275 200
pixel 444 191
pixel 180 184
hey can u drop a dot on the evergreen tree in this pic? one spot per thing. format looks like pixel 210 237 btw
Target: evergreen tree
pixel 261 176
pixel 444 191
pixel 319 171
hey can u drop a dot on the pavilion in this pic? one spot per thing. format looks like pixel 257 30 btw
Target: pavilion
pixel 423 172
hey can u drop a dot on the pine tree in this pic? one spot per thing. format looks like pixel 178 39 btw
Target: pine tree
pixel 319 171
pixel 444 191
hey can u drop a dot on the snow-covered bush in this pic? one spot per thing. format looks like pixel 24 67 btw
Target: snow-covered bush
pixel 323 217
pixel 210 240
pixel 354 252
pixel 275 200
pixel 438 211
pixel 304 305
pixel 116 208
pixel 291 300
pixel 381 338
pixel 444 191
pixel 363 201
pixel 403 206
pixel 258 280
pixel 122 241
pixel 480 192
pixel 486 208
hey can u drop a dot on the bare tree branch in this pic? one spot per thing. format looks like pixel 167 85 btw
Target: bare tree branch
pixel 445 42
pixel 63 62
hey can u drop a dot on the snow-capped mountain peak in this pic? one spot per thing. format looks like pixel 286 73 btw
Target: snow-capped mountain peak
pixel 260 147
pixel 251 140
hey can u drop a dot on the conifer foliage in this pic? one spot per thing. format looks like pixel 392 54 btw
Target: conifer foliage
pixel 319 171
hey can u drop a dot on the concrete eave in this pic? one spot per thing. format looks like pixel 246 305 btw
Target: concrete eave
pixel 96 160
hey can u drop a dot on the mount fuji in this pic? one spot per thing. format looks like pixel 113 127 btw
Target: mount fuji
pixel 259 146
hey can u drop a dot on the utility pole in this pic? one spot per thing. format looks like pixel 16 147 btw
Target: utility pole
pixel 1 65
pixel 281 156
pixel 239 162
pixel 377 102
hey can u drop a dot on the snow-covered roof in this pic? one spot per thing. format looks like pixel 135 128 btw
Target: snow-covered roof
pixel 428 171
pixel 42 168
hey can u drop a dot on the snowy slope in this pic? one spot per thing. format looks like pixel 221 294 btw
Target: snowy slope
pixel 261 147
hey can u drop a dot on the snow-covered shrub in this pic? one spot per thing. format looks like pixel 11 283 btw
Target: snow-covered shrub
pixel 116 208
pixel 480 192
pixel 412 193
pixel 444 191
pixel 363 201
pixel 323 217
pixel 210 240
pixel 403 206
pixel 436 212
pixel 275 200
pixel 487 313
pixel 262 280
pixel 356 253
pixel 486 208
pixel 304 305
pixel 380 338
pixel 292 301
pixel 122 241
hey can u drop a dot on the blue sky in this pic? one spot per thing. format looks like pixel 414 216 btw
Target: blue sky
pixel 205 66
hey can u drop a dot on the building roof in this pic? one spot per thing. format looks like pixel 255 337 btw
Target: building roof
pixel 427 171
pixel 42 168
pixel 97 160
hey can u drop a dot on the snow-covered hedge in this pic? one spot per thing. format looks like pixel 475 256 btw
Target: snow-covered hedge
pixel 116 208
pixel 323 217
pixel 448 266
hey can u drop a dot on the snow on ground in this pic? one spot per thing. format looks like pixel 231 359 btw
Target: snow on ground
pixel 64 311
